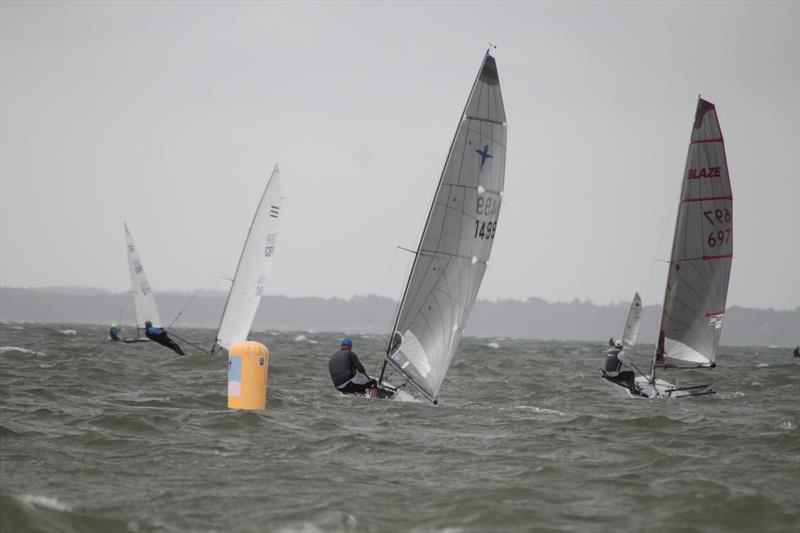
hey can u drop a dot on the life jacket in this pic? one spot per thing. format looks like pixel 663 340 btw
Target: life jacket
pixel 613 364
pixel 153 331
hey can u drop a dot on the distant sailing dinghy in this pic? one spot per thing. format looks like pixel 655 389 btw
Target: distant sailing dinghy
pixel 251 272
pixel 700 266
pixel 456 243
pixel 144 303
pixel 631 332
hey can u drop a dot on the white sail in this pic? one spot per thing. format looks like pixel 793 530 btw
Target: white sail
pixel 456 242
pixel 143 300
pixel 631 332
pixel 251 273
pixel 700 266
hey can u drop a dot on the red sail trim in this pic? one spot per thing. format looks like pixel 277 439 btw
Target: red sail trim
pixel 703 107
pixel 715 313
pixel 707 198
pixel 707 257
pixel 700 141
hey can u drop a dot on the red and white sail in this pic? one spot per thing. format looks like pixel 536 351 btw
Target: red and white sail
pixel 700 266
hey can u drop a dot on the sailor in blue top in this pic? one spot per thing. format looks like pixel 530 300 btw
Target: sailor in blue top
pixel 159 335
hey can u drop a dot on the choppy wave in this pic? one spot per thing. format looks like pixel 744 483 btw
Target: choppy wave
pixel 4 349
pixel 116 437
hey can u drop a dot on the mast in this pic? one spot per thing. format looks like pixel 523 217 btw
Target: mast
pixel 427 221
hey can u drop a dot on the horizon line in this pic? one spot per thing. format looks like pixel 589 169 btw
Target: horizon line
pixel 222 293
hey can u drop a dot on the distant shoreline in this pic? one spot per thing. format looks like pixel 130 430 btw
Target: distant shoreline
pixel 530 319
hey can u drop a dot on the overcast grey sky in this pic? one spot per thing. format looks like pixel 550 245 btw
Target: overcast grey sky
pixel 170 116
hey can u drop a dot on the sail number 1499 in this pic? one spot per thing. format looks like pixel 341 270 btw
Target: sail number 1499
pixel 487 207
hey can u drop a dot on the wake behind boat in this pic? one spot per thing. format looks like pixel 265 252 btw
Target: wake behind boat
pixel 455 246
pixel 700 264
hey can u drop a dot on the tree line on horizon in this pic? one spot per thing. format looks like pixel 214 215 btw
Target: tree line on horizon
pixel 533 318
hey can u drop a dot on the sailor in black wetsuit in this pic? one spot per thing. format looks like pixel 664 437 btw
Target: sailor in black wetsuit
pixel 347 372
pixel 159 335
pixel 614 362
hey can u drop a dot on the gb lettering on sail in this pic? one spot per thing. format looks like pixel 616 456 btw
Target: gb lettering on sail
pixel 144 303
pixel 456 242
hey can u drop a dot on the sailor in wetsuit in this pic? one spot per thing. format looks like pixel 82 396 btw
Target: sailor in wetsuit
pixel 159 335
pixel 347 372
pixel 615 361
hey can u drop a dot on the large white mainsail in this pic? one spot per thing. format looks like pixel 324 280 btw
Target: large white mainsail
pixel 248 282
pixel 144 302
pixel 631 332
pixel 456 241
pixel 700 266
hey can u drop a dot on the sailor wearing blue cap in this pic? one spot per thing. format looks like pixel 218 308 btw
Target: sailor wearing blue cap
pixel 347 372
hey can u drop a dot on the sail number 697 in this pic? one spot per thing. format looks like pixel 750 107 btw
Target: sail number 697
pixel 718 238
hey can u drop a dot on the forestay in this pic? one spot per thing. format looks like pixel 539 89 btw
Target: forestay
pixel 631 332
pixel 251 273
pixel 456 241
pixel 697 285
pixel 144 302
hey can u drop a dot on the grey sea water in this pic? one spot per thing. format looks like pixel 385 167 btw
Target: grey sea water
pixel 99 436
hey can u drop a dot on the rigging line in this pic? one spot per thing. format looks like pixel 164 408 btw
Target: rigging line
pixel 202 350
pixel 655 256
pixel 184 308
pixel 387 270
pixel 213 272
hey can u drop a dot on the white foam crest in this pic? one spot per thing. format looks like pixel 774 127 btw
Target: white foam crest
pixel 762 365
pixel 403 396
pixel 538 409
pixel 305 527
pixel 4 349
pixel 69 332
pixel 48 502
pixel 303 338
pixel 493 345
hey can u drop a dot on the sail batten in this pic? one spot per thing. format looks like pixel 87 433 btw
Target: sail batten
pixel 700 264
pixel 456 241
pixel 251 271
pixel 144 302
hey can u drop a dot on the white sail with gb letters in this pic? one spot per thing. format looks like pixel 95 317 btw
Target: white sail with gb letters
pixel 251 272
pixel 144 303
pixel 456 242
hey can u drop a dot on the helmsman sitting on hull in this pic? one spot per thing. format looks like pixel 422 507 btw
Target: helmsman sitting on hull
pixel 347 372
pixel 615 361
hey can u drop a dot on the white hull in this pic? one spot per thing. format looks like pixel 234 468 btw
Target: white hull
pixel 663 389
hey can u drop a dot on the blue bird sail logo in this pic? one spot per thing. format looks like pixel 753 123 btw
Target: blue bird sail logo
pixel 484 154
